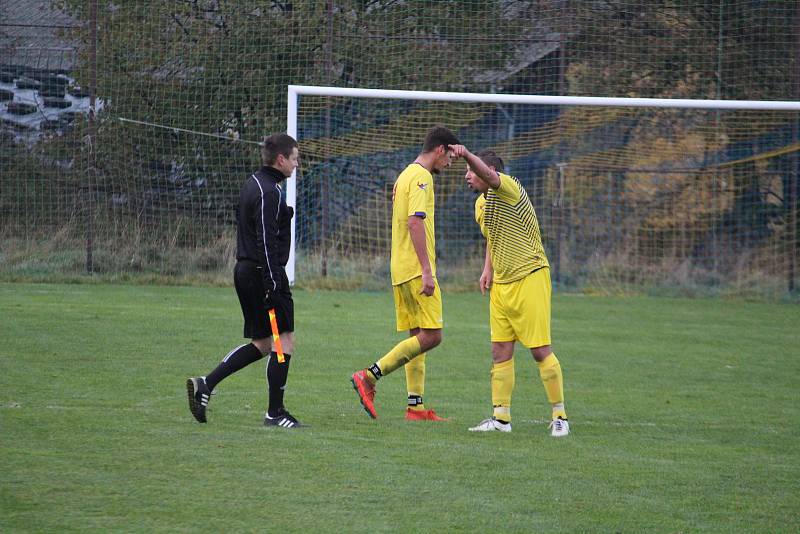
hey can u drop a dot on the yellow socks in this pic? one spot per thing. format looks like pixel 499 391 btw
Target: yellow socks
pixel 553 381
pixel 502 386
pixel 415 382
pixel 402 353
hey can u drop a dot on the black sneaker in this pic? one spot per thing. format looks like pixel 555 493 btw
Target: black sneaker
pixel 199 395
pixel 283 419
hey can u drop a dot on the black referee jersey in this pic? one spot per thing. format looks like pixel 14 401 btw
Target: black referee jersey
pixel 264 227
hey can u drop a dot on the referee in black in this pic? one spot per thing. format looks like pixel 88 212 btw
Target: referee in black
pixel 263 238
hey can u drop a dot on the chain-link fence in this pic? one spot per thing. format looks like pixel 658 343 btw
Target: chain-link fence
pixel 128 127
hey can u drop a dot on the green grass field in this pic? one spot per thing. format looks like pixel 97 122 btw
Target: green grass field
pixel 685 418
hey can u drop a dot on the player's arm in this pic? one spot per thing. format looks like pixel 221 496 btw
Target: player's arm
pixel 416 229
pixel 487 275
pixel 481 170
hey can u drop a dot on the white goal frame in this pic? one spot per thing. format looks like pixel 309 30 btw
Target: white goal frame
pixel 294 91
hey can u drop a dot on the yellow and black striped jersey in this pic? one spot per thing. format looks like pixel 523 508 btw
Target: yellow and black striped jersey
pixel 508 221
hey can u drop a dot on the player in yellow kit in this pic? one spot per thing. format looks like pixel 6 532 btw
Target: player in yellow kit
pixel 517 275
pixel 417 298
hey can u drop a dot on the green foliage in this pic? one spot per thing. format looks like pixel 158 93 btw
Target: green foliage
pixel 210 66
pixel 682 411
pixel 673 50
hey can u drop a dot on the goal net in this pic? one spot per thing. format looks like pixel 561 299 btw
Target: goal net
pixel 679 194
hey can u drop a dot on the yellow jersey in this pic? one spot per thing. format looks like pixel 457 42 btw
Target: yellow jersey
pixel 412 196
pixel 508 221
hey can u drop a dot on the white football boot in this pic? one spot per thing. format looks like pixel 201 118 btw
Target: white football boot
pixel 559 428
pixel 491 425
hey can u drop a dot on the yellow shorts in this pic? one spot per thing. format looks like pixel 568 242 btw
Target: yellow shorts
pixel 520 310
pixel 415 310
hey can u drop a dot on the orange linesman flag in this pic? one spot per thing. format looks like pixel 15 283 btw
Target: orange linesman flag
pixel 275 335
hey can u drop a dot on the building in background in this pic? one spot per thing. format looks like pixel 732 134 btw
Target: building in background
pixel 37 95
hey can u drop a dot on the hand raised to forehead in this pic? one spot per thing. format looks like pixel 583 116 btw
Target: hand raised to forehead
pixel 459 151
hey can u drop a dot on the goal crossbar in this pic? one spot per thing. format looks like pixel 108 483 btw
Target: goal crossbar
pixel 497 98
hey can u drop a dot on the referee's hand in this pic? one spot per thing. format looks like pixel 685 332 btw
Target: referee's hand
pixel 269 299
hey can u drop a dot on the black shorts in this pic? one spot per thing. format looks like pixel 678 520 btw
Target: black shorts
pixel 248 280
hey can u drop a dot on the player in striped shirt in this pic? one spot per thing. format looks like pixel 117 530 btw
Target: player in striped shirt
pixel 517 275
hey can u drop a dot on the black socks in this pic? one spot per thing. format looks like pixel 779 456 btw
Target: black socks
pixel 277 374
pixel 235 360
pixel 243 356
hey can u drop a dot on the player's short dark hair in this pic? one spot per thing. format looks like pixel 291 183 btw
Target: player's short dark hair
pixel 491 159
pixel 275 145
pixel 439 135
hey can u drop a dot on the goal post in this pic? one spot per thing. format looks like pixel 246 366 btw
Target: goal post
pixel 733 145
